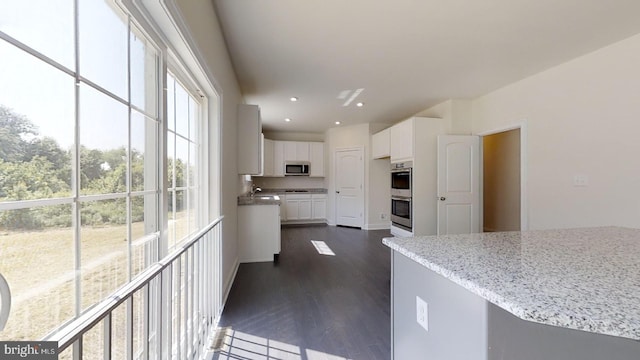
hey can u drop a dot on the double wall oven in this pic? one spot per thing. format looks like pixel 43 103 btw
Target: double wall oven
pixel 401 195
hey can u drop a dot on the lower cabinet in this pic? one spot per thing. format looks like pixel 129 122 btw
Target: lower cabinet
pixel 319 207
pixel 258 233
pixel 300 207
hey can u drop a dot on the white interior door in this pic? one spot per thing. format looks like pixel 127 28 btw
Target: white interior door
pixel 458 184
pixel 349 187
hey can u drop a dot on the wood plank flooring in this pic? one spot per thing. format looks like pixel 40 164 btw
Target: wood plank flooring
pixel 311 306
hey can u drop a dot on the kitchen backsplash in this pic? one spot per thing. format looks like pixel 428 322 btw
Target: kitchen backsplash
pixel 289 182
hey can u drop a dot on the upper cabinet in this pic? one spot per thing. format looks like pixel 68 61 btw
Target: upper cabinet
pixel 277 153
pixel 399 141
pixel 278 158
pixel 268 168
pixel 316 150
pixel 249 127
pixel 380 144
pixel 401 137
pixel 296 151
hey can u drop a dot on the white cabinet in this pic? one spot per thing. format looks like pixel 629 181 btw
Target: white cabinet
pixel 316 150
pixel 401 138
pixel 298 207
pixel 258 233
pixel 249 140
pixel 278 158
pixel 380 144
pixel 296 151
pixel 267 157
pixel 319 207
pixel 283 151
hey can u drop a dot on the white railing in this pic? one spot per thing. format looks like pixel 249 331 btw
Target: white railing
pixel 167 312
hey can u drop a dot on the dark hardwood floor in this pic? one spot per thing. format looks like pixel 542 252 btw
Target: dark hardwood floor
pixel 311 306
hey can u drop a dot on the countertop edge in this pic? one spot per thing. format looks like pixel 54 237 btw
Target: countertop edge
pixel 517 309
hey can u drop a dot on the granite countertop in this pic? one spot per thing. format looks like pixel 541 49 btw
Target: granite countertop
pixel 259 199
pixel 270 196
pixel 586 279
pixel 295 191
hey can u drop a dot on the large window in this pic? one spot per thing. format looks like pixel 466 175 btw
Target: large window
pixel 183 111
pixel 81 155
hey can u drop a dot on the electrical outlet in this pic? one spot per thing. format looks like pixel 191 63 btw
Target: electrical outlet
pixel 580 180
pixel 422 313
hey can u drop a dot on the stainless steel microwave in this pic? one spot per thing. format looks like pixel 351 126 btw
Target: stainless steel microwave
pixel 296 168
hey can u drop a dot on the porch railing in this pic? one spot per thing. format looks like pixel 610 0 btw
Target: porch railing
pixel 167 312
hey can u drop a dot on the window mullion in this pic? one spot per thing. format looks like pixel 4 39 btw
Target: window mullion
pixel 75 178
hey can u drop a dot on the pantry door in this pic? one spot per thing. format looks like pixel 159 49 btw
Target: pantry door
pixel 349 187
pixel 458 184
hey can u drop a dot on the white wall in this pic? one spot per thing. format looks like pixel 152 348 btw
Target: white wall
pixel 290 182
pixel 583 118
pixel 375 173
pixel 293 136
pixel 204 28
pixel 457 113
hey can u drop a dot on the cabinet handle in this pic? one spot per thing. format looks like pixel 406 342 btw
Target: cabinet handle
pixel 442 198
pixel 337 192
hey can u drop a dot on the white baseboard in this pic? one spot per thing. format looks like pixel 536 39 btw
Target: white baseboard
pixel 229 283
pixel 378 226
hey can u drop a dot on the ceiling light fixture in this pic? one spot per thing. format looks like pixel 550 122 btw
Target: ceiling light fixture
pixel 337 122
pixel 360 104
pixel 353 96
pixel 293 98
pixel 287 119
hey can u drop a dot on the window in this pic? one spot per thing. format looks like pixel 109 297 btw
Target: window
pixel 81 158
pixel 182 160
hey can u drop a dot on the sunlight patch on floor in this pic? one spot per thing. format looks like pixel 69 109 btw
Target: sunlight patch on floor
pixel 239 345
pixel 323 248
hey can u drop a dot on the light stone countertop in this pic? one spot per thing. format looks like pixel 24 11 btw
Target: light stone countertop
pixel 586 279
pixel 259 199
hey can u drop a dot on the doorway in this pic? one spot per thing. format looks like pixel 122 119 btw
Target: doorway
pixel 349 180
pixel 502 181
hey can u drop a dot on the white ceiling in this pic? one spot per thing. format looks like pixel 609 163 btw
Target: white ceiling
pixel 407 55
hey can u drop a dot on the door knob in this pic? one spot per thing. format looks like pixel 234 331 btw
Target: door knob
pixel 337 192
pixel 442 198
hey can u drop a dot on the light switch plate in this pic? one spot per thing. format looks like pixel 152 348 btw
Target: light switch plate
pixel 422 313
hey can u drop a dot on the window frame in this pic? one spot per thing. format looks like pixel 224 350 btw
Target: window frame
pixel 207 162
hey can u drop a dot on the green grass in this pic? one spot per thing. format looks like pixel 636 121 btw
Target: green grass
pixel 39 267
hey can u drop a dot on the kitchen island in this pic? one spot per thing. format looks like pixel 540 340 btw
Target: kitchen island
pixel 548 294
pixel 259 230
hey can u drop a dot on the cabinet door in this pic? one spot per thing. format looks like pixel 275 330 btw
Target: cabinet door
pixel 290 151
pixel 249 140
pixel 319 208
pixel 380 144
pixel 283 207
pixel 302 151
pixel 401 141
pixel 278 158
pixel 267 156
pixel 304 209
pixel 291 208
pixel 317 159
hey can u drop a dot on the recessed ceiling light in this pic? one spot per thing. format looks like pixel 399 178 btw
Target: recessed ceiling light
pixel 287 119
pixel 360 104
pixel 293 98
pixel 337 122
